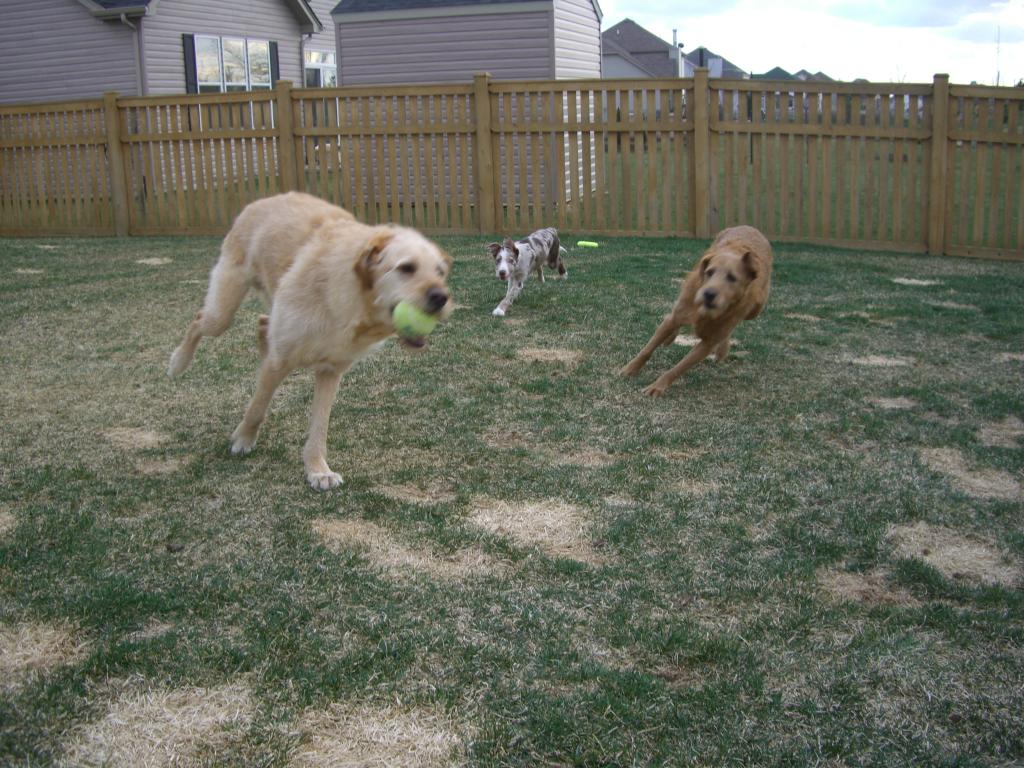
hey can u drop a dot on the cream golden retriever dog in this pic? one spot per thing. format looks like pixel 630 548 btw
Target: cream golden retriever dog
pixel 729 284
pixel 331 284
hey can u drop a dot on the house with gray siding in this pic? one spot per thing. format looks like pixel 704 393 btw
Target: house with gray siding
pixel 391 42
pixel 77 49
pixel 631 51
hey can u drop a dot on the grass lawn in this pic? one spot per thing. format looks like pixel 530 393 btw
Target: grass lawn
pixel 809 554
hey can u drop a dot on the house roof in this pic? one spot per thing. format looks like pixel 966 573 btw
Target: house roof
pixel 644 49
pixel 776 73
pixel 611 48
pixel 700 57
pixel 813 77
pixel 373 6
pixel 410 9
pixel 308 21
pixel 117 8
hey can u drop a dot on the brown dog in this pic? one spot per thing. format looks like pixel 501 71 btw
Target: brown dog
pixel 729 284
pixel 332 284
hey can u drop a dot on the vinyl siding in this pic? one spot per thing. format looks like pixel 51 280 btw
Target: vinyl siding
pixel 323 41
pixel 260 19
pixel 578 36
pixel 616 66
pixel 54 50
pixel 449 49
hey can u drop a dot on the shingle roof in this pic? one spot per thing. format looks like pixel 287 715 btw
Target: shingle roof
pixel 700 57
pixel 113 5
pixel 365 6
pixel 646 50
pixel 308 20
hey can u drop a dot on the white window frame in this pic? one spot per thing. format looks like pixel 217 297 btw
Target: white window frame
pixel 321 68
pixel 206 86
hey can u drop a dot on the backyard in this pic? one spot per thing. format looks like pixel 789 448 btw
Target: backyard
pixel 808 554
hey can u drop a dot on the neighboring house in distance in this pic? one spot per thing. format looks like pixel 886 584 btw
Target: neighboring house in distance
pixel 387 42
pixel 717 66
pixel 817 77
pixel 778 73
pixel 155 47
pixel 631 51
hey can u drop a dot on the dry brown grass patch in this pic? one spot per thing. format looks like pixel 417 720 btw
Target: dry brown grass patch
pixel 28 271
pixel 955 305
pixel 893 403
pixel 146 727
pixel 156 261
pixel 590 458
pixel 556 527
pixel 619 502
pixel 871 588
pixel 7 521
pixel 802 317
pixel 915 281
pixel 881 361
pixel 409 493
pixel 539 355
pixel 1011 357
pixel 692 487
pixel 377 737
pixel 955 555
pixel 399 560
pixel 151 631
pixel 1003 434
pixel 983 483
pixel 160 466
pixel 500 436
pixel 32 649
pixel 134 439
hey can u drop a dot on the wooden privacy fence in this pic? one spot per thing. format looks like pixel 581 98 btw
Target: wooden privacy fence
pixel 933 167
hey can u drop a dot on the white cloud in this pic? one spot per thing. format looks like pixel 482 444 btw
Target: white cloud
pixel 884 42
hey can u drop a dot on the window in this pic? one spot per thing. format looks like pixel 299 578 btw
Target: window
pixel 230 63
pixel 321 69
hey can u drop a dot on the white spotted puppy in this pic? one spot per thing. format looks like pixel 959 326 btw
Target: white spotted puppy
pixel 514 261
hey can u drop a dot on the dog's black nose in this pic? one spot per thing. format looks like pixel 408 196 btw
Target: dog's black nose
pixel 436 298
pixel 709 296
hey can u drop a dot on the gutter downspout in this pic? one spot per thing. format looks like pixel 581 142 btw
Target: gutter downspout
pixel 137 47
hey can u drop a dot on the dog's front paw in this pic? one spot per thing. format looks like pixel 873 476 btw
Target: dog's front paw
pixel 657 389
pixel 498 312
pixel 323 481
pixel 631 369
pixel 242 444
pixel 177 364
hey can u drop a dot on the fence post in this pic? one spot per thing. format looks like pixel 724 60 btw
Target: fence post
pixel 484 165
pixel 286 156
pixel 115 157
pixel 939 169
pixel 701 154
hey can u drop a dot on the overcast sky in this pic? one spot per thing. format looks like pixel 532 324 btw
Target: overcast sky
pixel 904 42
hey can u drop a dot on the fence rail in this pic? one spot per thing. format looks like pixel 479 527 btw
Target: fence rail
pixel 934 167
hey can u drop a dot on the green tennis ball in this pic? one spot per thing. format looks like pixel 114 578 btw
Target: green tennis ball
pixel 586 244
pixel 411 321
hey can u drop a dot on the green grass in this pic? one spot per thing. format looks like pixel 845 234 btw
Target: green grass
pixel 694 624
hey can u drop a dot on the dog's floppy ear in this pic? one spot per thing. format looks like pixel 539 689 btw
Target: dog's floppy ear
pixel 511 246
pixel 702 265
pixel 493 249
pixel 370 257
pixel 750 264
